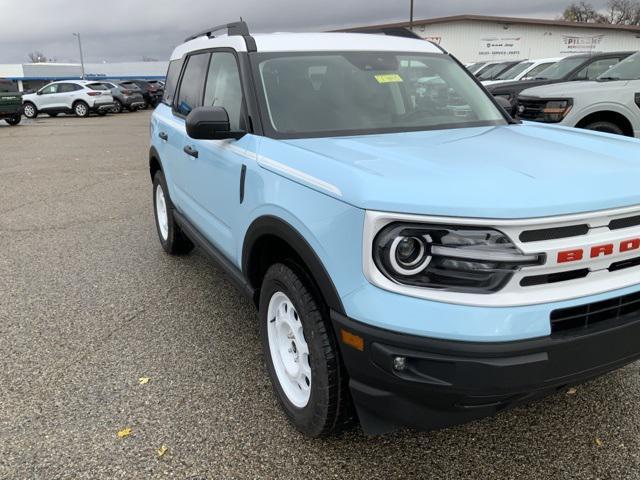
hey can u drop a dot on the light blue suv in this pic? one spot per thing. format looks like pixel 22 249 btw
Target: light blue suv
pixel 418 258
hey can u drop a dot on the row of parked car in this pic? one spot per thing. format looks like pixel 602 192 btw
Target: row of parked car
pixel 593 91
pixel 78 97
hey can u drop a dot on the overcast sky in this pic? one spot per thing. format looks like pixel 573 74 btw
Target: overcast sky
pixel 128 30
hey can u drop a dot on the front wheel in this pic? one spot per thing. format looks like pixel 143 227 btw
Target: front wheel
pixel 13 121
pixel 81 109
pixel 606 127
pixel 30 110
pixel 173 241
pixel 301 353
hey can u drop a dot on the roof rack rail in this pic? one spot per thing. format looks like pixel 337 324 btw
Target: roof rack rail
pixel 233 29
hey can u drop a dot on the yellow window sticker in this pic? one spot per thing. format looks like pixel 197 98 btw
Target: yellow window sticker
pixel 391 78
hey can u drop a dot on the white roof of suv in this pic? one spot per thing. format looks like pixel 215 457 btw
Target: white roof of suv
pixel 310 42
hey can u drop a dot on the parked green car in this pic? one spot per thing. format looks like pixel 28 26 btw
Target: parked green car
pixel 10 102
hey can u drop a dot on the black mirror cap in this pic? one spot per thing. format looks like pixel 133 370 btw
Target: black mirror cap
pixel 210 123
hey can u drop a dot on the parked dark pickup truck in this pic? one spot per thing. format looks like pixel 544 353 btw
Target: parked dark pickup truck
pixel 10 102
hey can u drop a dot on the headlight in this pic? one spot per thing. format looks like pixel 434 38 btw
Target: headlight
pixel 462 259
pixel 548 111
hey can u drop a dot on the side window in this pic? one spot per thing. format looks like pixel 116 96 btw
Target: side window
pixel 192 85
pixel 173 75
pixel 224 88
pixel 595 69
pixel 50 89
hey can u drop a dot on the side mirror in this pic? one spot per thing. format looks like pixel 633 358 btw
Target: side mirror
pixel 39 92
pixel 504 103
pixel 211 123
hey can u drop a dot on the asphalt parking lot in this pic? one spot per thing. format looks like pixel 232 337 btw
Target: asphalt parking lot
pixel 90 304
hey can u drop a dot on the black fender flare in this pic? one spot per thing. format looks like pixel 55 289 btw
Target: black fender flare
pixel 154 156
pixel 275 226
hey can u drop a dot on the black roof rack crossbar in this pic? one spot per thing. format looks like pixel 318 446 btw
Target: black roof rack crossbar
pixel 233 29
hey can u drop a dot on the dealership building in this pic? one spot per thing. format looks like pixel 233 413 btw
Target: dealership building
pixel 32 76
pixel 475 38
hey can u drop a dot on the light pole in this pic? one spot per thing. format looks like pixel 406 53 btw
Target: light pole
pixel 81 55
pixel 411 16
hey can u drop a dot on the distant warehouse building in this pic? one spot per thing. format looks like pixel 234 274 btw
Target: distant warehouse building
pixel 476 38
pixel 32 76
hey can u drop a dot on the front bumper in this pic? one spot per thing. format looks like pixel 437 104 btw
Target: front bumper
pixel 450 382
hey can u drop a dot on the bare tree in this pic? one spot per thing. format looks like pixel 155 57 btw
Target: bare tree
pixel 37 57
pixel 623 12
pixel 581 12
pixel 618 12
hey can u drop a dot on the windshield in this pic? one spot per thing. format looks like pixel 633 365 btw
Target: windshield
pixel 561 69
pixel 514 71
pixel 627 69
pixel 491 72
pixel 369 92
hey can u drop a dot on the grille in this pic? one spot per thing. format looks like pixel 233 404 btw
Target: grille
pixel 530 109
pixel 554 233
pixel 624 222
pixel 587 316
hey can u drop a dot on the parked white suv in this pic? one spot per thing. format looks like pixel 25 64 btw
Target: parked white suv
pixel 70 96
pixel 609 104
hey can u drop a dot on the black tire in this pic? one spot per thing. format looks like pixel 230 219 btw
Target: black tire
pixel 606 127
pixel 30 110
pixel 52 115
pixel 175 242
pixel 329 409
pixel 117 106
pixel 81 109
pixel 13 121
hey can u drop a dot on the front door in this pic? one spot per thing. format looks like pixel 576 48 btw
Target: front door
pixel 211 181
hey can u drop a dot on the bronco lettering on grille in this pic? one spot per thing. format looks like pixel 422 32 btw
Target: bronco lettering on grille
pixel 603 250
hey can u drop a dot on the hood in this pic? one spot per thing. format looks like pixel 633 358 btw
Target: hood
pixel 517 86
pixel 571 89
pixel 515 171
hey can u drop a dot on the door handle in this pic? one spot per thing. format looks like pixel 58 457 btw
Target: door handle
pixel 189 150
pixel 163 136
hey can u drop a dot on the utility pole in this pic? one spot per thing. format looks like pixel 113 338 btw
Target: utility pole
pixel 81 55
pixel 411 16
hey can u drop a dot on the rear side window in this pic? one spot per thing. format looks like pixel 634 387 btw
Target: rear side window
pixel 8 87
pixel 173 74
pixel 98 86
pixel 192 85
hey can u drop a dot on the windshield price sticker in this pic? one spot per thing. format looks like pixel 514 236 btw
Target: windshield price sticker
pixel 391 78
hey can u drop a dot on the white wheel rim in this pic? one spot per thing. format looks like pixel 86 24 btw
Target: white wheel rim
pixel 289 350
pixel 161 213
pixel 81 109
pixel 28 111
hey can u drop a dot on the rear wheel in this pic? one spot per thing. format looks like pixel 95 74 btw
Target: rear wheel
pixel 171 237
pixel 13 120
pixel 30 110
pixel 607 127
pixel 301 353
pixel 81 109
pixel 117 106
